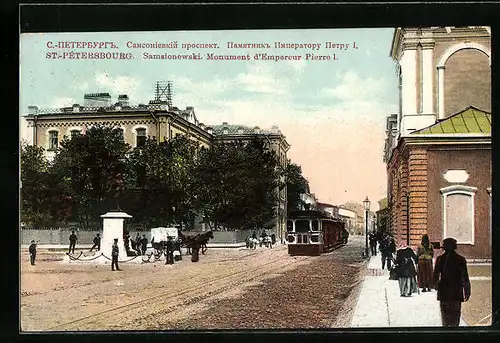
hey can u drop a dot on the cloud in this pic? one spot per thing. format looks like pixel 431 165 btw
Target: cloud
pixel 261 78
pixel 59 101
pixel 81 86
pixel 118 84
pixel 353 87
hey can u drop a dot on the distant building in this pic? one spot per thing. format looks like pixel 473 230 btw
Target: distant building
pixel 329 208
pixel 350 218
pixel 438 146
pixel 276 142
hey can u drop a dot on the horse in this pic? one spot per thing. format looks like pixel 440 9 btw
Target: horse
pixel 201 239
pixel 253 242
pixel 267 242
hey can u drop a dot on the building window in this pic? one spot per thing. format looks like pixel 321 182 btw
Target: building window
pixel 458 213
pixel 121 132
pixel 74 133
pixel 53 140
pixel 141 137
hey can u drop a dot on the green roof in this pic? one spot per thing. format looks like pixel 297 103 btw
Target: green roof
pixel 469 120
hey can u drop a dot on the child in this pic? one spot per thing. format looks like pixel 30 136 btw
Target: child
pixel 32 250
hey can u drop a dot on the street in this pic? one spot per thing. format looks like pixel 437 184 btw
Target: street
pixel 225 290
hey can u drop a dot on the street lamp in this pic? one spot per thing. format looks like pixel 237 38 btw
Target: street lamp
pixel 366 206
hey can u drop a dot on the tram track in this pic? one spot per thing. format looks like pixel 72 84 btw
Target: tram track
pixel 150 309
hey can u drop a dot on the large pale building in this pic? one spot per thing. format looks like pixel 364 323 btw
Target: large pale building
pixel 438 145
pixel 47 127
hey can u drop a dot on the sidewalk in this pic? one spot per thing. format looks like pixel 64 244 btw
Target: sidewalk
pixel 380 304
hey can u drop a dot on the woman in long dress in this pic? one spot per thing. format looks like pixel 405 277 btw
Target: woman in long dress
pixel 406 271
pixel 425 253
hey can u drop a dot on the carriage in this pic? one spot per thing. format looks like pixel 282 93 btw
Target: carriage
pixel 314 232
pixel 159 238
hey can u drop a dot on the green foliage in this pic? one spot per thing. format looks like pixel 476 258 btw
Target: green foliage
pixel 296 185
pixel 159 181
pixel 234 185
pixel 44 196
pixel 93 165
pixel 237 183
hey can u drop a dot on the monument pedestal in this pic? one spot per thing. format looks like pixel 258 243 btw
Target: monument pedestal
pixel 112 228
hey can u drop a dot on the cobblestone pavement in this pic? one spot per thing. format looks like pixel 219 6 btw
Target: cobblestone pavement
pixel 228 288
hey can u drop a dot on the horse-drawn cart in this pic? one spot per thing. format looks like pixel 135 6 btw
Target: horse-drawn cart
pixel 159 238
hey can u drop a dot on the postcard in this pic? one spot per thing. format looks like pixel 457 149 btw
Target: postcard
pixel 255 179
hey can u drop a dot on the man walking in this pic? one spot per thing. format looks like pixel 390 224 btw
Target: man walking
pixel 32 250
pixel 373 244
pixel 72 242
pixel 144 243
pixel 452 283
pixel 97 243
pixel 170 251
pixel 385 251
pixel 114 255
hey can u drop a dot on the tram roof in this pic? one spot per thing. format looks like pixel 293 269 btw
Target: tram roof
pixel 310 214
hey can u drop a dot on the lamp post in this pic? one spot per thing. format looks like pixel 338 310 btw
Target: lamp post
pixel 366 206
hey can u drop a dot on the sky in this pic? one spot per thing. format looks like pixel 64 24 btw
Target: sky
pixel 332 112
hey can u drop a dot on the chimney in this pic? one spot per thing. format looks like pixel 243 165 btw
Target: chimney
pixel 123 100
pixel 32 109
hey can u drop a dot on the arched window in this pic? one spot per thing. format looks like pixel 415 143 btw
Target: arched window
pixel 458 213
pixel 53 140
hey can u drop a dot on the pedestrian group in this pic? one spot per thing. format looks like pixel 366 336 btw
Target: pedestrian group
pixel 415 272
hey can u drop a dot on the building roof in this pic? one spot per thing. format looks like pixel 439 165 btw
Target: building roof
pixel 324 204
pixel 230 129
pixel 469 120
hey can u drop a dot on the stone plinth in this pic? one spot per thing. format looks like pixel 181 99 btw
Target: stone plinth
pixel 113 228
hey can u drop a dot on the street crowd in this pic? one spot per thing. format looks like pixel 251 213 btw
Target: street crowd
pixel 415 272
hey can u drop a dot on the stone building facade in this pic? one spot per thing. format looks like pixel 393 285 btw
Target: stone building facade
pixel 47 128
pixel 438 146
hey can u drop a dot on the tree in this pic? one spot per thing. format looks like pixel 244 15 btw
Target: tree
pixel 159 181
pixel 93 164
pixel 237 183
pixel 296 185
pixel 44 196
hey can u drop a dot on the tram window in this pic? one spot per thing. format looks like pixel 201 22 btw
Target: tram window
pixel 289 225
pixel 315 225
pixel 315 239
pixel 299 238
pixel 302 225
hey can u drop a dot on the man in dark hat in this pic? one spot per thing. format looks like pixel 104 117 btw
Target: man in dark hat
pixel 170 251
pixel 452 283
pixel 144 244
pixel 373 243
pixel 114 255
pixel 32 250
pixel 97 243
pixel 72 242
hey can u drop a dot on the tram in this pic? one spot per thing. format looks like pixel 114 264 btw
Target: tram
pixel 314 233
